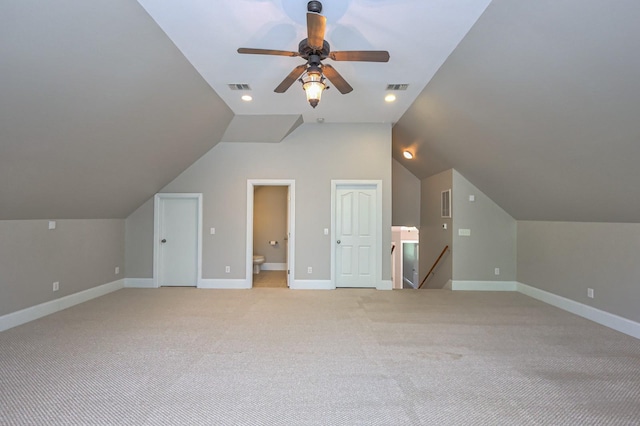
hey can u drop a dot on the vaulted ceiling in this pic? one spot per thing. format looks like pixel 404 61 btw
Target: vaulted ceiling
pixel 538 106
pixel 104 102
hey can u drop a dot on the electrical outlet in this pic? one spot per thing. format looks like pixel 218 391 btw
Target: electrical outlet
pixel 309 270
pixel 464 232
pixel 56 286
pixel 590 294
pixel 227 269
pixel 117 270
pixel 496 271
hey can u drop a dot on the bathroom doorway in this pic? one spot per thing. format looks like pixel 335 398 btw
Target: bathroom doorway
pixel 404 257
pixel 270 236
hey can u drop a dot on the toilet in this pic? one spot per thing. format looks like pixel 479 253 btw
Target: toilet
pixel 257 261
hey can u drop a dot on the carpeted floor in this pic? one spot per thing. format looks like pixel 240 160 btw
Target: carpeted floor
pixel 345 357
pixel 270 279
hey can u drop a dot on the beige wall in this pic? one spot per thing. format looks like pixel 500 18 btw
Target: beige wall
pixel 138 240
pixel 312 155
pixel 270 222
pixel 79 254
pixel 433 238
pixel 566 258
pixel 492 243
pixel 406 196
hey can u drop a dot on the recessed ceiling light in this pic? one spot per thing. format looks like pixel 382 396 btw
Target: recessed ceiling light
pixel 408 155
pixel 247 98
pixel 390 97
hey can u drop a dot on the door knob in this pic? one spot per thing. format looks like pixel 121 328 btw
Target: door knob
pixel 164 240
pixel 338 241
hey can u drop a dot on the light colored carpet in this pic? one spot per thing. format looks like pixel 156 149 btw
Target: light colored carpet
pixel 344 357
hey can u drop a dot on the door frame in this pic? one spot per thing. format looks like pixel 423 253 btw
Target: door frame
pixel 291 225
pixel 156 232
pixel 335 185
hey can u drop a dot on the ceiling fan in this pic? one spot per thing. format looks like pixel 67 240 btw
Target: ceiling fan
pixel 315 49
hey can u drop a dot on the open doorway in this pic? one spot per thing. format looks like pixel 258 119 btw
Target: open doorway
pixel 405 257
pixel 270 232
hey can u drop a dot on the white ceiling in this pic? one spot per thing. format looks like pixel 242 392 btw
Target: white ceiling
pixel 419 34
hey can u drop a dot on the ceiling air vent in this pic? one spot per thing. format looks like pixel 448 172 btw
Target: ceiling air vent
pixel 239 86
pixel 397 86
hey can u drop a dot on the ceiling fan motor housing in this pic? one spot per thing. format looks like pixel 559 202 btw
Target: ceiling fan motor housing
pixel 306 51
pixel 314 6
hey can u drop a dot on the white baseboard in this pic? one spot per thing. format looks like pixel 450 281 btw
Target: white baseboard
pixel 312 285
pixel 23 316
pixel 238 284
pixel 484 285
pixel 607 319
pixel 138 283
pixel 385 285
pixel 273 267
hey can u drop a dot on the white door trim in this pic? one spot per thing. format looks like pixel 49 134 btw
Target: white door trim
pixel 335 184
pixel 156 231
pixel 251 184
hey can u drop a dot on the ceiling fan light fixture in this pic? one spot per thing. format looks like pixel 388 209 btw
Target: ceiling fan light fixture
pixel 313 85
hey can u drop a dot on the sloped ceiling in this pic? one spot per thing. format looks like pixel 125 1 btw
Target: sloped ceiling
pixel 539 107
pixel 98 109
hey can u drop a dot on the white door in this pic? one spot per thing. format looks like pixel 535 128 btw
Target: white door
pixel 356 236
pixel 178 245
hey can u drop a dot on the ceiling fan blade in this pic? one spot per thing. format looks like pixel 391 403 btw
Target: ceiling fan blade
pixel 315 30
pixel 337 80
pixel 361 55
pixel 291 78
pixel 267 52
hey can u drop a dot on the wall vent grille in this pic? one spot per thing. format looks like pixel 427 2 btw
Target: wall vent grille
pixel 397 86
pixel 239 86
pixel 445 203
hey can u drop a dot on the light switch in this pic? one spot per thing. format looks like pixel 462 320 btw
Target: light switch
pixel 472 198
pixel 212 231
pixel 52 224
pixel 464 232
pixel 326 231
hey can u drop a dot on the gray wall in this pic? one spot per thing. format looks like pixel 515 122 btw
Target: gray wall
pixel 139 242
pixel 406 196
pixel 313 155
pixel 270 222
pixel 566 258
pixel 492 243
pixel 432 237
pixel 79 254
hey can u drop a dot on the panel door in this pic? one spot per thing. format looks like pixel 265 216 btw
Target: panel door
pixel 356 237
